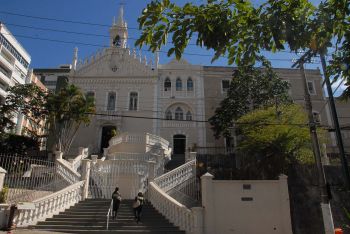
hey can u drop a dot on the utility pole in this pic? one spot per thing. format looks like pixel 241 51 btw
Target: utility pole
pixel 339 138
pixel 325 206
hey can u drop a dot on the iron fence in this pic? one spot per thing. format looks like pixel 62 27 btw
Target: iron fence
pixel 29 178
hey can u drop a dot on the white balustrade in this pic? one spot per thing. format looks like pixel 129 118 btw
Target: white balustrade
pixel 65 170
pixel 178 124
pixel 175 177
pixel 76 162
pixel 130 156
pixel 50 205
pixel 189 220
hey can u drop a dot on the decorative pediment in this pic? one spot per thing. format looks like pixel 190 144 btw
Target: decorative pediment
pixel 114 62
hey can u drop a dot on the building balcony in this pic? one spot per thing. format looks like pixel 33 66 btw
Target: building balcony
pixel 177 94
pixel 178 124
pixel 6 60
pixel 5 78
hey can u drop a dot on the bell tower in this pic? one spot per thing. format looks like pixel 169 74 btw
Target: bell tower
pixel 119 31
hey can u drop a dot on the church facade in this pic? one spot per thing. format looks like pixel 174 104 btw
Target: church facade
pixel 136 95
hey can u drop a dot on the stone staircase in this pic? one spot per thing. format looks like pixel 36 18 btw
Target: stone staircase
pixel 89 216
pixel 176 161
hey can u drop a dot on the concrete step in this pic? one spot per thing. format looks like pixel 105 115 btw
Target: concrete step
pixel 89 216
pixel 115 231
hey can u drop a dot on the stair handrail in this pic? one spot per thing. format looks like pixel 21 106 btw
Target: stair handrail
pixel 67 172
pixel 76 162
pixel 109 213
pixel 174 177
pixel 50 205
pixel 190 220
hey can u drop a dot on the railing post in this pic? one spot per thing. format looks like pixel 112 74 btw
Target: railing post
pixel 86 163
pixel 207 202
pixel 58 155
pixel 151 173
pixel 2 177
pixel 197 220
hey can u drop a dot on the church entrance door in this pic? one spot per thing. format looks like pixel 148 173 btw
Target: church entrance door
pixel 179 144
pixel 107 133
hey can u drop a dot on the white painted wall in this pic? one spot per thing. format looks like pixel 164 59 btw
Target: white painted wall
pixel 225 211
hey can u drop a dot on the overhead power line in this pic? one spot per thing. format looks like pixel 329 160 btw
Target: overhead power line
pixel 105 46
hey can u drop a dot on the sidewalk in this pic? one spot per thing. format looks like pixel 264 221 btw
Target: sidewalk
pixel 30 231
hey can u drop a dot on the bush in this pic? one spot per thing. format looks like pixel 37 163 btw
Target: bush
pixel 3 194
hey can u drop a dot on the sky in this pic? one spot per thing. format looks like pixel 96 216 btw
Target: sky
pixel 50 47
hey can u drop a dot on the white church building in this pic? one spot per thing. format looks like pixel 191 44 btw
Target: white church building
pixel 134 94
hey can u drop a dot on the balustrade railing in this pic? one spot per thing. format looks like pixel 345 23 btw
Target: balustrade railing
pixel 29 179
pixel 50 205
pixel 76 162
pixel 190 220
pixel 64 169
pixel 177 176
pixel 130 156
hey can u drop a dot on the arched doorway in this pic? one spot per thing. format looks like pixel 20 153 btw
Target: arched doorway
pixel 107 133
pixel 179 144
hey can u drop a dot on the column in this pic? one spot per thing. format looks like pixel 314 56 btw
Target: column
pixel 208 199
pixel 86 163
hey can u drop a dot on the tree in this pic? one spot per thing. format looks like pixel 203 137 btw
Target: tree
pixel 240 30
pixel 271 141
pixel 250 88
pixel 64 113
pixel 28 100
pixel 68 110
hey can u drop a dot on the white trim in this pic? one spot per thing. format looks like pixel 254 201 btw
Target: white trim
pixel 138 100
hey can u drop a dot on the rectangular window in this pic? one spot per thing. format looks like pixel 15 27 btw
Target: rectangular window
pixel 311 87
pixel 111 101
pixel 133 101
pixel 225 85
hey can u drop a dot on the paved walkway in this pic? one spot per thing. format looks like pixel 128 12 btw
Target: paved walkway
pixel 30 231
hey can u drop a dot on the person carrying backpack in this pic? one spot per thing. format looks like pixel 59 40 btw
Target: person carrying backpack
pixel 117 198
pixel 139 201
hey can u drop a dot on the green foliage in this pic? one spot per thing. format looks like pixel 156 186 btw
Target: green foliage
pixel 240 30
pixel 3 194
pixel 250 88
pixel 26 99
pixel 68 109
pixel 18 144
pixel 270 140
pixel 64 112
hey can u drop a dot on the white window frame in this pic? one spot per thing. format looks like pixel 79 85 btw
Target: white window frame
pixel 190 78
pixel 167 89
pixel 180 115
pixel 115 101
pixel 137 103
pixel 178 88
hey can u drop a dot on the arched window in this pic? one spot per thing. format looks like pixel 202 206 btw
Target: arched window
pixel 178 84
pixel 133 101
pixel 167 84
pixel 111 101
pixel 188 115
pixel 168 115
pixel 189 84
pixel 116 41
pixel 179 115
